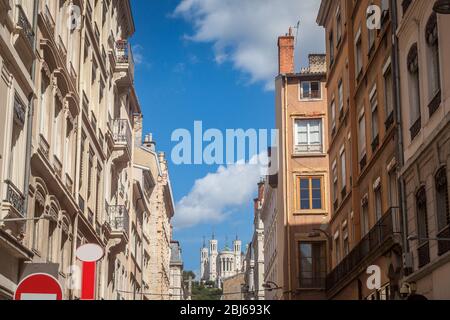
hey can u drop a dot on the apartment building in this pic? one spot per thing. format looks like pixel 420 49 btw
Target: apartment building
pixel 424 66
pixel 303 188
pixel 365 222
pixel 271 254
pixel 254 266
pixel 17 87
pixel 73 167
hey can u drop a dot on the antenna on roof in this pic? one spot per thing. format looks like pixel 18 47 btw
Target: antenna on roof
pixel 297 27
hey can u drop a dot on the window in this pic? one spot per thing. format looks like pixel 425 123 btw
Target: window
pixel 374 107
pixel 422 215
pixel 371 38
pixel 313 264
pixel 311 194
pixel 308 136
pixel 37 225
pixel 338 26
pixel 359 56
pixel 310 90
pixel 442 204
pixel 393 190
pixel 378 203
pixel 432 38
pixel 340 96
pixel 331 46
pixel 343 170
pixel 414 94
pixel 362 136
pixel 337 248
pixel 346 244
pixel 57 133
pixel 365 219
pixel 45 84
pixel 333 117
pixel 388 95
pixel 335 184
pixel 51 240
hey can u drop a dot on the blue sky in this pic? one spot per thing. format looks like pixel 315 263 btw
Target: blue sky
pixel 200 60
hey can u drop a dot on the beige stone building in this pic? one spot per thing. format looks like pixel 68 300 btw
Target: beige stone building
pixel 233 287
pixel 303 182
pixel 424 66
pixel 73 169
pixel 269 217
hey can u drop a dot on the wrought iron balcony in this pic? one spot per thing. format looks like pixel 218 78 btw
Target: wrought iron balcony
pixel 121 132
pixel 123 58
pixel 44 147
pixel 118 218
pixel 25 25
pixel 15 198
pixel 381 234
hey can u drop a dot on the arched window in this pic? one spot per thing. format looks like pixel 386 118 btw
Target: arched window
pixel 422 228
pixel 65 247
pixel 414 94
pixel 432 40
pixel 442 204
pixel 422 215
pixel 443 210
pixel 37 225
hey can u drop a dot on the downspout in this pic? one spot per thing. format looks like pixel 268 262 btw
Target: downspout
pixel 398 117
pixel 286 184
pixel 30 114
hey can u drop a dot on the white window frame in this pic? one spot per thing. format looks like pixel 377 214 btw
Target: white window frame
pixel 298 146
pixel 302 98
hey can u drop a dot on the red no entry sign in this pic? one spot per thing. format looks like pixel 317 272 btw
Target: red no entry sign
pixel 38 286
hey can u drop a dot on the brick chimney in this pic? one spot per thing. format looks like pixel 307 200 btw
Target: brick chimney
pixel 286 53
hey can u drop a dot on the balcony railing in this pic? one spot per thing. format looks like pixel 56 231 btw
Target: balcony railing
pixel 121 132
pixel 44 147
pixel 25 25
pixel 124 55
pixel 49 18
pixel 381 233
pixel 15 198
pixel 57 166
pixel 118 218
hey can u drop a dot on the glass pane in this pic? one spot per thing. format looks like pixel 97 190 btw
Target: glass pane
pixel 306 250
pixel 305 205
pixel 317 204
pixel 317 183
pixel 306 91
pixel 304 194
pixel 304 183
pixel 306 265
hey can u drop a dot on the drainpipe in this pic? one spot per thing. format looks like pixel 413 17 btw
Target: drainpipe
pixel 286 184
pixel 398 117
pixel 30 114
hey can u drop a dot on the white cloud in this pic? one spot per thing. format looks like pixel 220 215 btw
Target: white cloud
pixel 214 197
pixel 245 32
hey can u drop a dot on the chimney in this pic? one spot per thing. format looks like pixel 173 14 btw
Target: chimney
pixel 286 53
pixel 149 143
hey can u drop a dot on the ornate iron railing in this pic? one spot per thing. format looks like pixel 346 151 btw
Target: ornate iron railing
pixel 118 218
pixel 25 25
pixel 121 131
pixel 15 197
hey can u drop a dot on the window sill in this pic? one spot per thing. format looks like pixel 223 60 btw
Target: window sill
pixel 309 155
pixel 310 213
